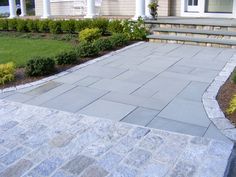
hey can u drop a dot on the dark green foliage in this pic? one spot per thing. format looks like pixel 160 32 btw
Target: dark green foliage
pixel 66 58
pixel 82 24
pixel 40 66
pixel 33 25
pixel 3 24
pixel 119 40
pixel 115 26
pixel 43 26
pixel 103 44
pixel 21 25
pixel 87 49
pixel 101 24
pixel 234 77
pixel 68 26
pixel 12 24
pixel 55 27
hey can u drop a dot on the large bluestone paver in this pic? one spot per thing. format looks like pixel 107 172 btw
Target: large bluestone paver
pixel 37 141
pixel 154 85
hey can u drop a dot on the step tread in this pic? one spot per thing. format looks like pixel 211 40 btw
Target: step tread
pixel 193 39
pixel 196 31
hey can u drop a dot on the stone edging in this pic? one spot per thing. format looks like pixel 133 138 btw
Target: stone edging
pixel 211 105
pixel 42 81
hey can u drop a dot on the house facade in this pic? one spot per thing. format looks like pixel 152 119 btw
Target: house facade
pixel 180 8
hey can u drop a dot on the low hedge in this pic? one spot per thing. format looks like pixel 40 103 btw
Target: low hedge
pixel 66 58
pixel 87 49
pixel 40 66
pixel 103 44
pixel 119 40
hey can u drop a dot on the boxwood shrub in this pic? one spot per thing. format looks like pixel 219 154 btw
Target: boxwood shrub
pixel 33 25
pixel 86 49
pixel 3 24
pixel 40 66
pixel 21 25
pixel 12 24
pixel 103 44
pixel 119 40
pixel 101 24
pixel 43 26
pixel 55 27
pixel 68 26
pixel 82 24
pixel 115 26
pixel 66 58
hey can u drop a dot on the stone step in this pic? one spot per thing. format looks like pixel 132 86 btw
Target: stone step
pixel 217 34
pixel 226 43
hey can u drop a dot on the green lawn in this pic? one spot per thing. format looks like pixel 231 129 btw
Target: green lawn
pixel 20 50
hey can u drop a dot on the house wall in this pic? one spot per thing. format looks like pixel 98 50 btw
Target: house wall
pixel 109 7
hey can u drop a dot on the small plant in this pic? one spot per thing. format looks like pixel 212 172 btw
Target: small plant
pixel 232 106
pixel 233 78
pixel 82 24
pixel 32 25
pixel 103 44
pixel 21 26
pixel 3 24
pixel 12 24
pixel 43 26
pixel 115 26
pixel 66 58
pixel 55 27
pixel 153 6
pixel 40 66
pixel 89 35
pixel 86 49
pixel 119 40
pixel 101 24
pixel 68 26
pixel 7 73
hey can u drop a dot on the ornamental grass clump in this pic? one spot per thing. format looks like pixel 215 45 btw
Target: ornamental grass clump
pixel 7 72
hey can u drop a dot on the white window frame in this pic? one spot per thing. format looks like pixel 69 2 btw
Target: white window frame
pixel 202 13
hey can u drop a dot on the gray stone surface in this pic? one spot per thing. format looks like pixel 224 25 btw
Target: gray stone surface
pixel 169 79
pixel 62 144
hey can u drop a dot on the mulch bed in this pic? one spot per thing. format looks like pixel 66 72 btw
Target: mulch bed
pixel 226 93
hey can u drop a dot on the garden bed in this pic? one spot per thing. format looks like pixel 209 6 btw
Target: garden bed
pixel 224 97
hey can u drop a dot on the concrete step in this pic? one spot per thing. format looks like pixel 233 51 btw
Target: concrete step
pixel 195 33
pixel 226 43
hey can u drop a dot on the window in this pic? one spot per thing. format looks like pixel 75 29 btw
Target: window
pixel 193 2
pixel 219 6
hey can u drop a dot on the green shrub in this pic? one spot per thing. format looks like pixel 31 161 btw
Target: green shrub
pixel 66 58
pixel 68 26
pixel 119 40
pixel 43 26
pixel 88 35
pixel 101 24
pixel 3 24
pixel 55 27
pixel 135 30
pixel 40 66
pixel 21 25
pixel 86 49
pixel 103 44
pixel 82 24
pixel 12 24
pixel 7 72
pixel 33 25
pixel 233 78
pixel 115 26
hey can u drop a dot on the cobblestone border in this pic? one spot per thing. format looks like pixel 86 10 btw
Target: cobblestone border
pixel 75 68
pixel 211 105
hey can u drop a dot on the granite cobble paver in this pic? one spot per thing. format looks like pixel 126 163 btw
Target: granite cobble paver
pixel 60 144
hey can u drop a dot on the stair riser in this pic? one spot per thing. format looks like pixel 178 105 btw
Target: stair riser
pixel 195 35
pixel 198 27
pixel 192 43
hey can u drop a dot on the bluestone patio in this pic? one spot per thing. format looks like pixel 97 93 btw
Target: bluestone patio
pixel 153 85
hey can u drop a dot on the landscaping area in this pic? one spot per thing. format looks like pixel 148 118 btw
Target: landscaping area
pixel 32 49
pixel 227 98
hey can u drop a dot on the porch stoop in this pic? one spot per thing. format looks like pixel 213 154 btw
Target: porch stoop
pixel 212 35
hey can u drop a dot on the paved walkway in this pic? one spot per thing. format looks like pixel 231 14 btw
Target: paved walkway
pixel 39 142
pixel 153 85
